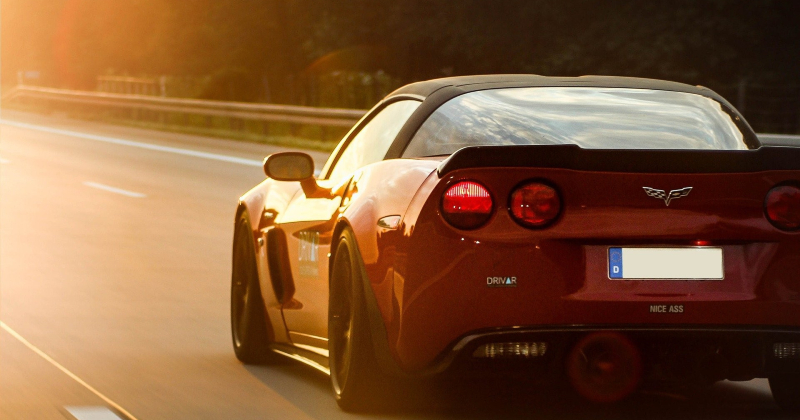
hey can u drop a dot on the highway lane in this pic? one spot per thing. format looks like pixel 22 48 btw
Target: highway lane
pixel 115 262
pixel 129 293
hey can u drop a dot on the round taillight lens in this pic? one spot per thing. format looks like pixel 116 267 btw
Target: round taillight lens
pixel 782 207
pixel 467 205
pixel 535 205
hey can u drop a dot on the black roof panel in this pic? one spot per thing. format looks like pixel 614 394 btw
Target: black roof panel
pixel 480 82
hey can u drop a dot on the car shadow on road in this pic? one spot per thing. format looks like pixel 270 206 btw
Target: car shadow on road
pixel 309 390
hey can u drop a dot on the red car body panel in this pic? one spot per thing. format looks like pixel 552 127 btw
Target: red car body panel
pixel 562 271
pixel 427 270
pixel 429 279
pixel 268 196
pixel 376 191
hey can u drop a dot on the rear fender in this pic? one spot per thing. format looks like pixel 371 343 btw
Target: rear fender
pixel 379 190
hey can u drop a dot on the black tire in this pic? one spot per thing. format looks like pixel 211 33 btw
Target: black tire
pixel 786 391
pixel 249 329
pixel 358 383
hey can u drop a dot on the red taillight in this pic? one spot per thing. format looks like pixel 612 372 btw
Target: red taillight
pixel 467 205
pixel 535 205
pixel 782 207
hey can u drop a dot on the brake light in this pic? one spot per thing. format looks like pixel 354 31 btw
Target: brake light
pixel 467 205
pixel 535 205
pixel 782 207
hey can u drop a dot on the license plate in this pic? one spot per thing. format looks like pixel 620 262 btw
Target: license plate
pixel 665 263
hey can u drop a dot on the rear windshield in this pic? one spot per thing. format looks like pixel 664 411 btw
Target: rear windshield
pixel 592 118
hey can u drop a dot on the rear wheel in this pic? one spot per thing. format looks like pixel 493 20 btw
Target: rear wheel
pixel 248 316
pixel 357 380
pixel 786 391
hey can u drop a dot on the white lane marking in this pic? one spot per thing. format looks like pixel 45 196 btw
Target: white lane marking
pixel 114 190
pixel 148 146
pixel 92 413
pixel 49 359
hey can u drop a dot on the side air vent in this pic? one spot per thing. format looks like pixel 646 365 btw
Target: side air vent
pixel 280 272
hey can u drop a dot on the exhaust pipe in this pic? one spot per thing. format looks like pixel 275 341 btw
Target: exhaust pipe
pixel 604 367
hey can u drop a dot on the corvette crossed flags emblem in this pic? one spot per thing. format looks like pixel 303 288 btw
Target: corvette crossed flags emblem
pixel 667 197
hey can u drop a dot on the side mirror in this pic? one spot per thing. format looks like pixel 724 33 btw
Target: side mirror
pixel 289 166
pixel 295 166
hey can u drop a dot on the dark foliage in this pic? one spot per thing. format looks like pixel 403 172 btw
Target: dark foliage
pixel 281 50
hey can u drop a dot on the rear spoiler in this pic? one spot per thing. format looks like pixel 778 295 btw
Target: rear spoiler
pixel 779 140
pixel 570 156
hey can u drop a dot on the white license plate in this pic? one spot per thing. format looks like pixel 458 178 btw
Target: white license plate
pixel 665 263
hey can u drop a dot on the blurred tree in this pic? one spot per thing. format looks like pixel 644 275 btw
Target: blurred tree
pixel 281 48
pixel 232 84
pixel 27 28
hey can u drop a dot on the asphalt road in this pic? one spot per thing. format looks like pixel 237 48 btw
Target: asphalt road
pixel 114 294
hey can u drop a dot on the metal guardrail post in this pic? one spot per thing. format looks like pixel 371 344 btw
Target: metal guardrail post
pixel 162 84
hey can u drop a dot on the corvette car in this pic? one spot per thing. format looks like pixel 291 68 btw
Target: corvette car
pixel 607 232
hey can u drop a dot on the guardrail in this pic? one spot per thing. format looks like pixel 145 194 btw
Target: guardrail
pixel 329 117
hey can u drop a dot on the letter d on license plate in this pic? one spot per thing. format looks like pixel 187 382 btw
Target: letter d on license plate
pixel 665 264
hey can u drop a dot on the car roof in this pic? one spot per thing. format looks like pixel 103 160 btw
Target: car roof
pixel 480 82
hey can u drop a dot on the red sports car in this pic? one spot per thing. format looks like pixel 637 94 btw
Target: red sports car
pixel 610 231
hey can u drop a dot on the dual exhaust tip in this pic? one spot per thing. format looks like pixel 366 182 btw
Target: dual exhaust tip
pixel 602 367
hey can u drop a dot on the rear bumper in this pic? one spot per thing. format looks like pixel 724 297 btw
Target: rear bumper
pixel 696 354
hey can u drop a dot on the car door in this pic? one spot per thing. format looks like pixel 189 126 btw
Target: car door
pixel 308 225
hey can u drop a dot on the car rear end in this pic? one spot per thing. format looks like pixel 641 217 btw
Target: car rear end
pixel 614 266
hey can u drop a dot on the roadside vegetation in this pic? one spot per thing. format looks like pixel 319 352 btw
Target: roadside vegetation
pixel 349 54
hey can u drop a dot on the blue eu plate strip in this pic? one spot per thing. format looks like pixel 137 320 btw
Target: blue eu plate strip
pixel 615 263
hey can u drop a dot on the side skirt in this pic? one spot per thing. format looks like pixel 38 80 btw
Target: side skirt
pixel 304 356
